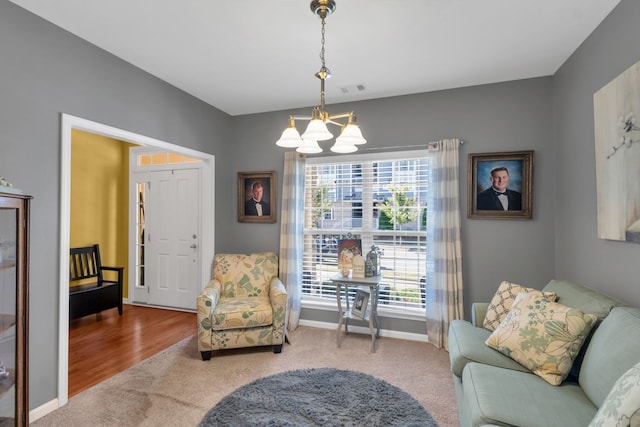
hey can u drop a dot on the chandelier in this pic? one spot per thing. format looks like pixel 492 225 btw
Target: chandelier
pixel 317 130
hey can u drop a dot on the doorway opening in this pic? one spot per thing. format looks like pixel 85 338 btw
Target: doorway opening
pixel 70 123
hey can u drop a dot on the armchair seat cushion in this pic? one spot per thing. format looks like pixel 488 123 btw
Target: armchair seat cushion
pixel 244 312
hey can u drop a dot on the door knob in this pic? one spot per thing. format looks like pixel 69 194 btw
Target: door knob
pixel 193 246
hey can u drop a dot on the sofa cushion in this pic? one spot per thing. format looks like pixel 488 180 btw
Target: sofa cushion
pixel 248 312
pixel 582 298
pixel 503 300
pixel 542 335
pixel 622 405
pixel 587 300
pixel 506 397
pixel 614 348
pixel 466 344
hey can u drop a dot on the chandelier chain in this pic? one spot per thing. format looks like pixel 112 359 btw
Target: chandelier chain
pixel 322 44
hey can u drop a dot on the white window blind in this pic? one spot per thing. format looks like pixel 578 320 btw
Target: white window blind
pixel 380 199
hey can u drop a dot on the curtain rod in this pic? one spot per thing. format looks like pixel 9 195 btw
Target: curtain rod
pixel 404 147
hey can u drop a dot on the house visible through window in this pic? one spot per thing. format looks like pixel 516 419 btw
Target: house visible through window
pixel 380 199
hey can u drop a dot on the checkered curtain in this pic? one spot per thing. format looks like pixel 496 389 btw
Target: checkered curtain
pixel 291 232
pixel 444 255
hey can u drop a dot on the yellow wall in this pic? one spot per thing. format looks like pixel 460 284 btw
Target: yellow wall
pixel 99 197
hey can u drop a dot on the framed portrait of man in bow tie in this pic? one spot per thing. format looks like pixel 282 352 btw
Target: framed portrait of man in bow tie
pixel 257 196
pixel 500 185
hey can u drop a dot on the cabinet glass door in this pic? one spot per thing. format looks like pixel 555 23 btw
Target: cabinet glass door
pixel 8 298
pixel 14 310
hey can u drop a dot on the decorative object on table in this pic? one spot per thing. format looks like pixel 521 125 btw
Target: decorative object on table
pixel 358 267
pixel 500 185
pixel 372 264
pixel 360 303
pixel 7 187
pixel 319 397
pixel 616 108
pixel 257 197
pixel 347 249
pixel 350 134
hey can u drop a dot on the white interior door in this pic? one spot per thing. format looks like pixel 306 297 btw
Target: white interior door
pixel 172 246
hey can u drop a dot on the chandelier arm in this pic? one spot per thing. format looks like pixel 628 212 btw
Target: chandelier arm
pixel 340 115
pixel 301 117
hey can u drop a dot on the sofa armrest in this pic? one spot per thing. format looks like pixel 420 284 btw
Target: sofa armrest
pixel 206 303
pixel 478 313
pixel 278 297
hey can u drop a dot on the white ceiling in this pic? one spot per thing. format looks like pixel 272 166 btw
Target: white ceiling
pixel 250 56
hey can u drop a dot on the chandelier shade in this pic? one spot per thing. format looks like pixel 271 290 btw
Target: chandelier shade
pixel 290 137
pixel 317 130
pixel 343 147
pixel 309 146
pixel 351 133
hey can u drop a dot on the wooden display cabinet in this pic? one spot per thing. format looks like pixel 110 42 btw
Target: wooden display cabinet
pixel 14 312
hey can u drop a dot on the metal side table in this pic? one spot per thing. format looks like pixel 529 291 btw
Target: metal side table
pixel 370 316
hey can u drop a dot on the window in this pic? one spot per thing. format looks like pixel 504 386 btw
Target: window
pixel 380 199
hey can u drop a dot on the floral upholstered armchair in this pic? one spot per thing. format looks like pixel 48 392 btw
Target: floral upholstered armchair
pixel 244 304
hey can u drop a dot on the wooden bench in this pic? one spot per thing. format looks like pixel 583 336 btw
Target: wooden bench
pixel 97 295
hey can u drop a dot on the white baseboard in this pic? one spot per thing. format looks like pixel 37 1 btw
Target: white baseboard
pixel 43 410
pixel 364 330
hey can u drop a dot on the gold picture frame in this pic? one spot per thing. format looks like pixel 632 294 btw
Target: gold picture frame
pixel 264 184
pixel 485 169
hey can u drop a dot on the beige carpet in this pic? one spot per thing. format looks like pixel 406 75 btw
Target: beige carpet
pixel 176 388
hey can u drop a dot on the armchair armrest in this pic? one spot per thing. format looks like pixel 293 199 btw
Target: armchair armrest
pixel 278 297
pixel 208 299
pixel 478 313
pixel 277 293
pixel 206 303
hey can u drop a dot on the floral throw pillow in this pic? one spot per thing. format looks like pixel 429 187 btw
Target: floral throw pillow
pixel 542 335
pixel 502 301
pixel 622 405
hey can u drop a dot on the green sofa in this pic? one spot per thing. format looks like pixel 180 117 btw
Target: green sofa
pixel 493 389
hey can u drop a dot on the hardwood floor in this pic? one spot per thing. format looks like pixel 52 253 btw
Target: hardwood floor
pixel 102 345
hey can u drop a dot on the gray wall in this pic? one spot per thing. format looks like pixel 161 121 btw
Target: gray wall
pixel 553 116
pixel 609 266
pixel 45 72
pixel 499 117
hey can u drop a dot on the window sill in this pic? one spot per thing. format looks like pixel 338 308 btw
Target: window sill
pixel 394 313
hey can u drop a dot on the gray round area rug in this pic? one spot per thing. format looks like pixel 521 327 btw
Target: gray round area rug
pixel 318 397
